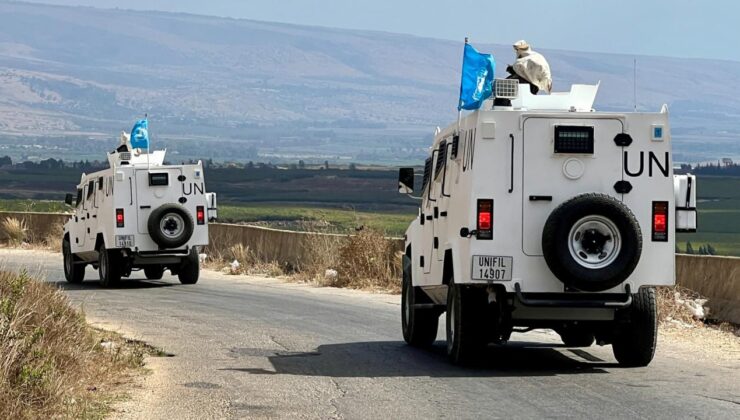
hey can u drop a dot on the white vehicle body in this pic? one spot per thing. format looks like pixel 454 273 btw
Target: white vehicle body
pixel 524 162
pixel 115 207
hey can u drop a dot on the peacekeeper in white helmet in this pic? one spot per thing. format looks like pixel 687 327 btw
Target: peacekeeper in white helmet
pixel 530 67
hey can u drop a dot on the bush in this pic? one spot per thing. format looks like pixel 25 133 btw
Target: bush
pixel 368 261
pixel 14 231
pixel 51 361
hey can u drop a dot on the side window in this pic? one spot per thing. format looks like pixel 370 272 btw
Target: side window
pixel 441 158
pixel 79 197
pixel 90 189
pixel 100 183
pixel 427 173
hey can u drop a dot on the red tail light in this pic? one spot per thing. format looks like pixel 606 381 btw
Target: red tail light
pixel 200 215
pixel 485 219
pixel 119 218
pixel 660 221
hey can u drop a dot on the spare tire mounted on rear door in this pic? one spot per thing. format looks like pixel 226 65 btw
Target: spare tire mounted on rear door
pixel 170 226
pixel 592 242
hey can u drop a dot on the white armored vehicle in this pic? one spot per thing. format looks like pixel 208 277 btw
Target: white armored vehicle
pixel 542 213
pixel 138 214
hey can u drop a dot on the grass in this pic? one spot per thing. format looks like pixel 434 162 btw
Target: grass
pixel 719 216
pixel 52 363
pixel 14 231
pixel 316 219
pixel 43 206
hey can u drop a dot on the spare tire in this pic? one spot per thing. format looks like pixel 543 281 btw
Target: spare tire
pixel 592 242
pixel 170 226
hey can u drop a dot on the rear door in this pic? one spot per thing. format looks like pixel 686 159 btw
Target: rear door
pixel 155 187
pixel 562 159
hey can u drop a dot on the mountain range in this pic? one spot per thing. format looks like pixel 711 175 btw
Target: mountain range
pixel 71 78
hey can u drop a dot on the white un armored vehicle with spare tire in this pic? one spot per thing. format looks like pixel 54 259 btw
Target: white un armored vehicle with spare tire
pixel 539 212
pixel 138 214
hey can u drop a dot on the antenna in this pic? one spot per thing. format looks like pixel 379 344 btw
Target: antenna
pixel 634 83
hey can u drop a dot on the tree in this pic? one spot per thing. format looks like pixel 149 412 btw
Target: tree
pixel 689 248
pixel 6 161
pixel 352 167
pixel 326 164
pixel 301 164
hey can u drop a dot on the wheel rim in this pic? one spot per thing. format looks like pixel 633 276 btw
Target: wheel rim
pixel 172 225
pixel 594 242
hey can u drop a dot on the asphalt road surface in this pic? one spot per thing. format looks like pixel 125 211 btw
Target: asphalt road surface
pixel 247 347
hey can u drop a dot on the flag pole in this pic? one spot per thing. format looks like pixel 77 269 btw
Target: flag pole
pixel 459 111
pixel 148 142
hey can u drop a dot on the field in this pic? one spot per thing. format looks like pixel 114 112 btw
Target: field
pixel 316 219
pixel 719 216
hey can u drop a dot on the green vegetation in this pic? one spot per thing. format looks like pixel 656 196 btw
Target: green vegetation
pixel 43 206
pixel 719 216
pixel 292 217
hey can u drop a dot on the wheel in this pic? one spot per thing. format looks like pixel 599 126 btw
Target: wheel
pixel 634 344
pixel 153 272
pixel 109 266
pixel 574 337
pixel 189 268
pixel 592 242
pixel 170 226
pixel 74 273
pixel 419 325
pixel 466 334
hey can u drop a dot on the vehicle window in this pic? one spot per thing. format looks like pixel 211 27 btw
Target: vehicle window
pixel 427 173
pixel 100 183
pixel 441 158
pixel 90 189
pixel 79 197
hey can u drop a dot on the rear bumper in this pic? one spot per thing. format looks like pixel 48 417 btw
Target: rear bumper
pixel 574 300
pixel 170 256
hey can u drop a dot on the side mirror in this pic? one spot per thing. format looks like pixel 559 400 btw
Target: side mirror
pixel 406 180
pixel 69 199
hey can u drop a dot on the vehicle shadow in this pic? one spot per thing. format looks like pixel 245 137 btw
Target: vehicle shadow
pixel 124 284
pixel 397 359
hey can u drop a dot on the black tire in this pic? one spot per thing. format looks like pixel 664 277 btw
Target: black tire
pixel 153 272
pixel 634 344
pixel 178 226
pixel 573 337
pixel 556 242
pixel 189 271
pixel 74 273
pixel 419 325
pixel 466 322
pixel 109 266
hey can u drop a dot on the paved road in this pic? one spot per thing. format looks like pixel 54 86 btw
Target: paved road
pixel 258 348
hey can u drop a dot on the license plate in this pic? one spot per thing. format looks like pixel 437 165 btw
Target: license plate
pixel 124 241
pixel 492 268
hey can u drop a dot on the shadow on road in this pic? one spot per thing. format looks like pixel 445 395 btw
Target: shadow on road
pixel 125 284
pixel 396 359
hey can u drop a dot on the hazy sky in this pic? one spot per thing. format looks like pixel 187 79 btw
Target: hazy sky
pixel 682 28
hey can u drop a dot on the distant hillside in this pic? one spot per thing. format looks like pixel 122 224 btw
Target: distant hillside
pixel 227 89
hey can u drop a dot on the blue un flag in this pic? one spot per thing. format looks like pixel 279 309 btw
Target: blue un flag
pixel 140 135
pixel 477 78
